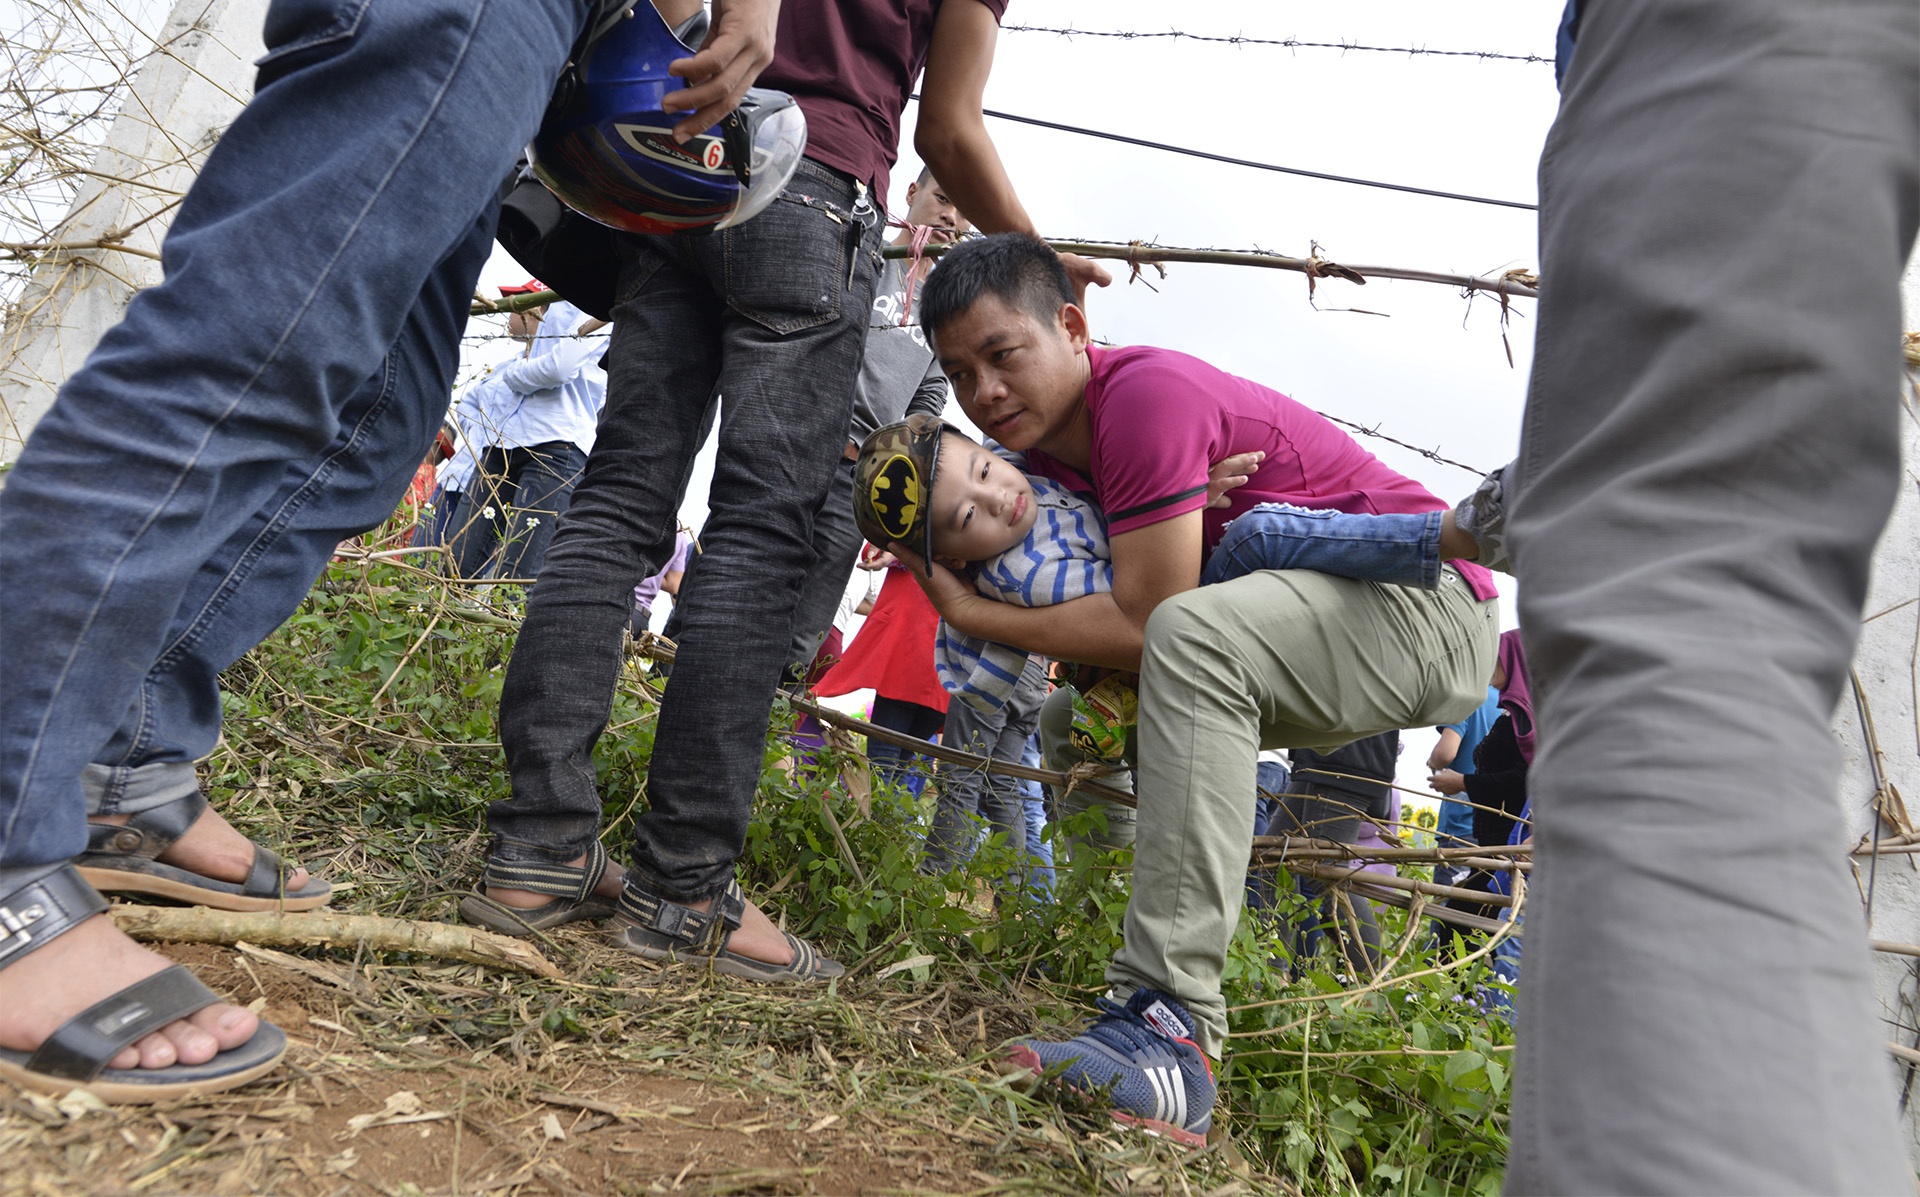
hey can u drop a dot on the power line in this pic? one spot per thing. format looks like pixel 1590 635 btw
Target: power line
pixel 1231 161
pixel 1289 43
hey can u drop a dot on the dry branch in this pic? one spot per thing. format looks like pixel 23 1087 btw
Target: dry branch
pixel 198 924
pixel 1513 284
pixel 1362 878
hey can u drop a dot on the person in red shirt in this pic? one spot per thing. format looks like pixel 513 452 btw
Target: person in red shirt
pixel 893 657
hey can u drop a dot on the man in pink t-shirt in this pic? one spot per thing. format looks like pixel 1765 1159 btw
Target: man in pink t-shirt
pixel 1275 658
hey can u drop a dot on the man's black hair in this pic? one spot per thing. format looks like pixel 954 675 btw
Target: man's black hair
pixel 1021 271
pixel 924 177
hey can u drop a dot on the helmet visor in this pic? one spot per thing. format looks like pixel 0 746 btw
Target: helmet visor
pixel 767 135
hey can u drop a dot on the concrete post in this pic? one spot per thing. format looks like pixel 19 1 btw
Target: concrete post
pixel 196 80
pixel 1888 669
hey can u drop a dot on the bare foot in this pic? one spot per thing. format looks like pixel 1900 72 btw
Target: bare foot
pixel 526 899
pixel 44 988
pixel 1456 545
pixel 211 848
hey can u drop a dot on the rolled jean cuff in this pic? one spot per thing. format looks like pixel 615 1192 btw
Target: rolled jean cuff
pixel 647 883
pixel 130 789
pixel 526 852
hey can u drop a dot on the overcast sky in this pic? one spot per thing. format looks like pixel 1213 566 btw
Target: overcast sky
pixel 1433 370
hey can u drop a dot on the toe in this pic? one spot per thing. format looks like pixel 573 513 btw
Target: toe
pixel 157 1050
pixel 226 1025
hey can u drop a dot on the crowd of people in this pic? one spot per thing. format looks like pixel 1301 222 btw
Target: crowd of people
pixel 1705 454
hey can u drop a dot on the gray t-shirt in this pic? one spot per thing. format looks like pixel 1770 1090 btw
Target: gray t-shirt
pixel 898 374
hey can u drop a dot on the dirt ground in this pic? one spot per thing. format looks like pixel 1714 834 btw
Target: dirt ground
pixel 384 1093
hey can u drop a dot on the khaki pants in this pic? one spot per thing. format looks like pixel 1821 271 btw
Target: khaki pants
pixel 1275 659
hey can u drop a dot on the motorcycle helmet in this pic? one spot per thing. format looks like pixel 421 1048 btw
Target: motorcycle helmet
pixel 606 146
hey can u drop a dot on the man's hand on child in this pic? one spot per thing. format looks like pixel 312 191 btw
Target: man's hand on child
pixel 949 593
pixel 872 558
pixel 1229 473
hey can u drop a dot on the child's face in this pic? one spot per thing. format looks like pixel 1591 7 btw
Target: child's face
pixel 981 505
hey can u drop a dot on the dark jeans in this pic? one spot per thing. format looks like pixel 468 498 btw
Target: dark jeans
pixel 527 490
pixel 183 492
pixel 437 531
pixel 772 315
pixel 969 795
pixel 1324 812
pixel 891 763
pixel 836 542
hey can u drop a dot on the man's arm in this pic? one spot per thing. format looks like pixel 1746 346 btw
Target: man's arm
pixel 930 397
pixel 1150 565
pixel 557 366
pixel 1444 751
pixel 951 135
pixel 670 582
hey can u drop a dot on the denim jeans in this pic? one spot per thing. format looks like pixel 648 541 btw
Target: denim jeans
pixel 773 315
pixel 166 512
pixel 1040 879
pixel 438 531
pixel 1270 782
pixel 892 764
pixel 527 490
pixel 836 542
pixel 967 795
pixel 1402 550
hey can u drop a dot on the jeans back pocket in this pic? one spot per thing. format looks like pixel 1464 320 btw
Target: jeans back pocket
pixel 787 268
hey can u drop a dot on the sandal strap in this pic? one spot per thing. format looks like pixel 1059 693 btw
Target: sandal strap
pixel 83 1045
pixel 148 833
pixel 575 883
pixel 268 874
pixel 704 931
pixel 44 909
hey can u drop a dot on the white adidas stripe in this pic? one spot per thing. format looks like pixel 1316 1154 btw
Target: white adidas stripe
pixel 1169 1095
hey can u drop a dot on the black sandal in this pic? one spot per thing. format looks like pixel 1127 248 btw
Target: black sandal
pixel 662 929
pixel 124 858
pixel 571 887
pixel 75 1056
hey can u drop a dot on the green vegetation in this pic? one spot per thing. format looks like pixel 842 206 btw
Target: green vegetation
pixel 362 734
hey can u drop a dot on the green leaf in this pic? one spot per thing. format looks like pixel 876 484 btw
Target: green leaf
pixel 1462 1065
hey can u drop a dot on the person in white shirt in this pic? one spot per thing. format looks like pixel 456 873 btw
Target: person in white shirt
pixel 538 431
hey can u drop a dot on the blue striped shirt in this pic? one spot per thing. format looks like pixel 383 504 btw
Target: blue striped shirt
pixel 1064 556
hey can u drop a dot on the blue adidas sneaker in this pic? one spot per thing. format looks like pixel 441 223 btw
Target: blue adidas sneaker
pixel 1142 1058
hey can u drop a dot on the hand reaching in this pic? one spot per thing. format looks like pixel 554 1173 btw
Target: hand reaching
pixel 738 47
pixel 1230 473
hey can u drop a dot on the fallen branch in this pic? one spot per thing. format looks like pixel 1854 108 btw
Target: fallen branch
pixel 1361 878
pixel 198 924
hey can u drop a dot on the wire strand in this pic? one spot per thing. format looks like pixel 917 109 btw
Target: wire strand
pixel 1288 43
pixel 1190 152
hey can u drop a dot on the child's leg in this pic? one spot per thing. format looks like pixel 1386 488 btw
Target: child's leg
pixel 1403 550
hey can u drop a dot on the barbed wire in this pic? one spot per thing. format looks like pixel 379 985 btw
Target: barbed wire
pixel 1287 43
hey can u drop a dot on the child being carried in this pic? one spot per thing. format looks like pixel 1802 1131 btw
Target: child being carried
pixel 1028 540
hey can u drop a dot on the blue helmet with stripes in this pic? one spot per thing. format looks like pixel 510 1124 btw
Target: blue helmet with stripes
pixel 606 146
